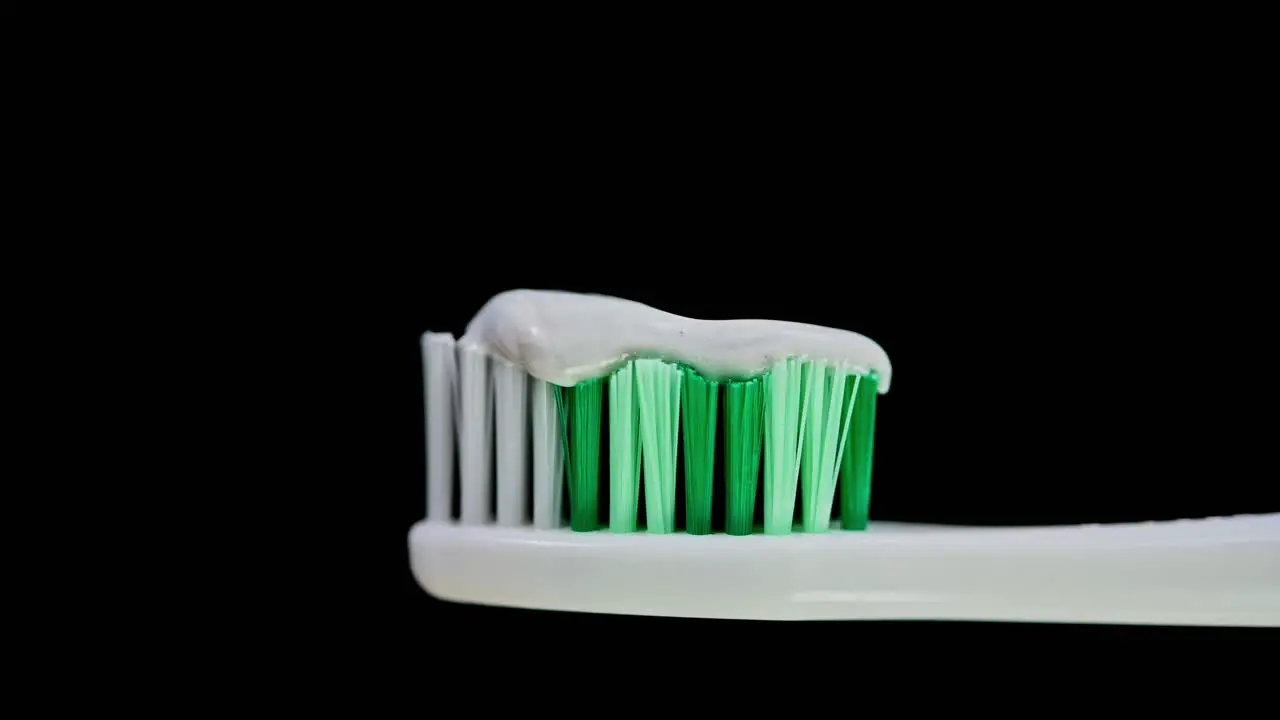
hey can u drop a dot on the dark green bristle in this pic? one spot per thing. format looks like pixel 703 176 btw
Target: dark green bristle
pixel 855 470
pixel 743 410
pixel 580 408
pixel 699 408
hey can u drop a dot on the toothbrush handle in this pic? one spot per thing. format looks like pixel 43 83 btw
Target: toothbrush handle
pixel 1219 571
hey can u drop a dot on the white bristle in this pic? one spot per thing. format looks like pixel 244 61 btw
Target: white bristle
pixel 511 410
pixel 475 435
pixel 439 373
pixel 548 456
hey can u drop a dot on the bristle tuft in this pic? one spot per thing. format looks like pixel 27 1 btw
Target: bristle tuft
pixel 743 433
pixel 658 385
pixel 699 414
pixel 580 412
pixel 475 435
pixel 823 442
pixel 624 450
pixel 440 373
pixel 785 411
pixel 548 456
pixel 855 465
pixel 511 413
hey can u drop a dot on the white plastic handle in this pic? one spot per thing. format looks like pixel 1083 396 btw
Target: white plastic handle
pixel 1215 571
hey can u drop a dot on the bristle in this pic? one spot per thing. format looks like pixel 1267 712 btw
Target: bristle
pixel 855 466
pixel 475 435
pixel 699 414
pixel 624 450
pixel 439 367
pixel 580 413
pixel 823 442
pixel 548 456
pixel 785 414
pixel 511 403
pixel 658 384
pixel 807 425
pixel 743 429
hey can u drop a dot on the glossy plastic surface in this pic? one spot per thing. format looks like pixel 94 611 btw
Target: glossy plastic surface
pixel 1216 571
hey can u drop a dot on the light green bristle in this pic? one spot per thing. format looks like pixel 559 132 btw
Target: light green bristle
pixel 580 417
pixel 699 408
pixel 744 415
pixel 624 450
pixel 784 417
pixel 658 386
pixel 855 466
pixel 824 442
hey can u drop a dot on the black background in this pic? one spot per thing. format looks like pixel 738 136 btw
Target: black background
pixel 1068 267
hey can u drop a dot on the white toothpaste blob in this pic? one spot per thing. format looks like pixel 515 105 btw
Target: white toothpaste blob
pixel 565 338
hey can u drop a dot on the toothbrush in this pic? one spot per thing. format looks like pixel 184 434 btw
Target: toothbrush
pixel 521 401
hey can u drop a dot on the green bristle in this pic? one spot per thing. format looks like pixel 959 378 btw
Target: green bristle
pixel 580 424
pixel 784 418
pixel 699 410
pixel 824 440
pixel 744 413
pixel 813 424
pixel 855 466
pixel 658 385
pixel 624 450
